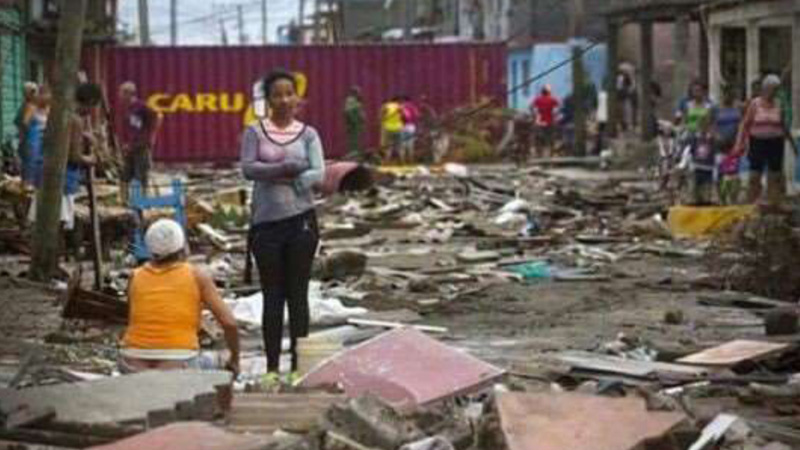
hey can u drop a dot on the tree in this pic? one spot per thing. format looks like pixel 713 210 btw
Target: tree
pixel 46 238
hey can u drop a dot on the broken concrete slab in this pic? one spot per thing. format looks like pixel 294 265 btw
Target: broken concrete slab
pixel 733 353
pixel 263 414
pixel 370 422
pixel 405 368
pixel 121 399
pixel 188 436
pixel 639 369
pixel 580 422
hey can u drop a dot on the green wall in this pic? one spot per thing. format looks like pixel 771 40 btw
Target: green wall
pixel 12 56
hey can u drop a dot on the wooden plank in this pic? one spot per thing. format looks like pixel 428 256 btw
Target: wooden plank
pixel 260 413
pixel 632 368
pixel 733 353
pixel 740 300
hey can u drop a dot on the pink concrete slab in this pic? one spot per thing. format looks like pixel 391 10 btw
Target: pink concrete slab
pixel 405 368
pixel 187 436
pixel 580 422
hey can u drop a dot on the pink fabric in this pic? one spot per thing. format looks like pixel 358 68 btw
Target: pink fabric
pixel 729 165
pixel 767 122
pixel 410 114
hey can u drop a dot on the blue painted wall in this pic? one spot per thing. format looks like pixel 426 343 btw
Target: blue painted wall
pixel 526 63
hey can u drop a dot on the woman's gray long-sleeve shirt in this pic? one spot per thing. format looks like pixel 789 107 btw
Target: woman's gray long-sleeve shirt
pixel 282 189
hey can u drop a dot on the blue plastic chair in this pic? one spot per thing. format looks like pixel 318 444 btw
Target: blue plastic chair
pixel 140 202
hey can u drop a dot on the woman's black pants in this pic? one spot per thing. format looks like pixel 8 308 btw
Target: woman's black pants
pixel 284 252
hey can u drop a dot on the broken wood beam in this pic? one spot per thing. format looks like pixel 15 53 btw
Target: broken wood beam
pixel 83 304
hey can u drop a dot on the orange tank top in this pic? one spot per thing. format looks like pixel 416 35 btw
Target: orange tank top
pixel 165 306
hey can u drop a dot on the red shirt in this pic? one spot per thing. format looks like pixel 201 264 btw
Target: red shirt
pixel 545 106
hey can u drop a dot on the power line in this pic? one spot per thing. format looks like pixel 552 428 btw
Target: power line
pixel 228 13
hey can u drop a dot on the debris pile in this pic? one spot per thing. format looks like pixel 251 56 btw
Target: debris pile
pixel 455 307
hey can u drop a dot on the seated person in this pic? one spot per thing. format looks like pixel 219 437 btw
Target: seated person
pixel 166 297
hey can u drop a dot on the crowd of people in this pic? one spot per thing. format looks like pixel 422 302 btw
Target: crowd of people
pixel 85 134
pixel 284 159
pixel 401 121
pixel 718 143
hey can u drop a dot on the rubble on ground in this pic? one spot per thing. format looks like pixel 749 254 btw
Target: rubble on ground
pixel 555 292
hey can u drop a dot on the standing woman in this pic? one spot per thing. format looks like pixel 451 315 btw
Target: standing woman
pixel 284 158
pixel 764 130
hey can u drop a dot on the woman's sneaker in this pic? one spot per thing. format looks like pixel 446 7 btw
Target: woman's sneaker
pixel 293 378
pixel 271 381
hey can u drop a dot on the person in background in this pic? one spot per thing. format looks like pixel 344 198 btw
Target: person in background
pixel 693 109
pixel 700 155
pixel 166 298
pixel 543 110
pixel 285 160
pixel 729 181
pixel 391 128
pixel 522 138
pixel 355 121
pixel 764 130
pixel 34 122
pixel 627 94
pixel 22 120
pixel 137 136
pixel 728 118
pixel 411 118
pixel 80 156
pixel 601 117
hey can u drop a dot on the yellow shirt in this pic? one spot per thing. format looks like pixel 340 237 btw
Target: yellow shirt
pixel 392 117
pixel 165 307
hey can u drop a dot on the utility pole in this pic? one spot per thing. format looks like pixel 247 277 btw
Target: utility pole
pixel 264 31
pixel 410 7
pixel 240 15
pixel 46 239
pixel 223 32
pixel 144 23
pixel 317 21
pixel 300 22
pixel 173 22
pixel 579 92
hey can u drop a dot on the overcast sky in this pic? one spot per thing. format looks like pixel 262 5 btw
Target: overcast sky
pixel 198 20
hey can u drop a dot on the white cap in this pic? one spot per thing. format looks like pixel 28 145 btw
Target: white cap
pixel 771 81
pixel 165 237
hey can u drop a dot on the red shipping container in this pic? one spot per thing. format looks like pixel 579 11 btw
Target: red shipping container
pixel 204 93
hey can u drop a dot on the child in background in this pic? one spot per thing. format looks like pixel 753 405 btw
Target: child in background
pixel 699 155
pixel 729 182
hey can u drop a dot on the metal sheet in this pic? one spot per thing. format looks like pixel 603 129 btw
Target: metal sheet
pixel 204 92
pixel 405 368
pixel 580 422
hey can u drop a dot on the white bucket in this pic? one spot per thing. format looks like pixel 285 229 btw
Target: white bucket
pixel 312 351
